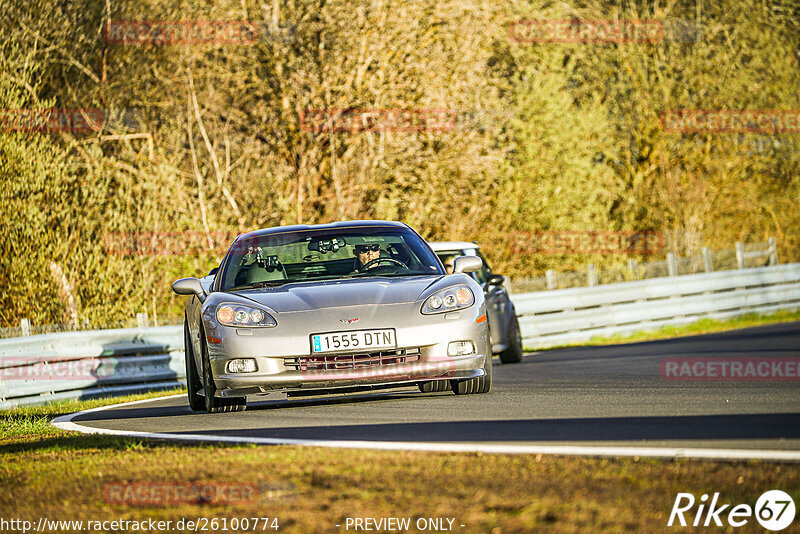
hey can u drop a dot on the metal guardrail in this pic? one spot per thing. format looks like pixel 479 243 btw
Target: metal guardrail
pixel 562 316
pixel 85 364
pixel 48 367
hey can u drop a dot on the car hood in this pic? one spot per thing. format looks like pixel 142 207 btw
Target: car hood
pixel 339 293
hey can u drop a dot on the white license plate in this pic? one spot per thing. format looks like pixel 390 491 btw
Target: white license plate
pixel 358 340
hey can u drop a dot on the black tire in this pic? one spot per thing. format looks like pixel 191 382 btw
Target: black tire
pixel 215 404
pixel 434 386
pixel 193 382
pixel 475 385
pixel 513 354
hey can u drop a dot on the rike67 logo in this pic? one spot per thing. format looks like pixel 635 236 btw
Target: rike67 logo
pixel 774 510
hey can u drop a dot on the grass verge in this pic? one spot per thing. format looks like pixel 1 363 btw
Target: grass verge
pixel 702 326
pixel 48 473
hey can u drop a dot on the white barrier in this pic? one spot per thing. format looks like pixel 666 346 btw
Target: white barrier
pixel 36 369
pixel 110 362
pixel 556 317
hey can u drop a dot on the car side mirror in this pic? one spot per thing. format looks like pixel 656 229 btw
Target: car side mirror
pixel 467 264
pixel 495 280
pixel 189 286
pixel 213 271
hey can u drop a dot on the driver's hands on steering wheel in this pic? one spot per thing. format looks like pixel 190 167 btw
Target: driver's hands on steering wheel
pixel 368 265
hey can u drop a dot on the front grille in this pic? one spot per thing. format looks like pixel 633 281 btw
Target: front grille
pixel 335 362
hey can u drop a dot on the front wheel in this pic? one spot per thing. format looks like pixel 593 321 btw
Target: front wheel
pixel 475 385
pixel 215 404
pixel 193 383
pixel 434 386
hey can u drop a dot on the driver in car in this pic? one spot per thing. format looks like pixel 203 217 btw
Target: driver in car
pixel 365 254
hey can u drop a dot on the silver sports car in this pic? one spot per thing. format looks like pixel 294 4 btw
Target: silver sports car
pixel 298 309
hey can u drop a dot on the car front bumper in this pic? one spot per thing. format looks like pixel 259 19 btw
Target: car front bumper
pixel 284 360
pixel 240 384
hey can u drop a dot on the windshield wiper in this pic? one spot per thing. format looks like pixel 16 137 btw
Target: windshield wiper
pixel 264 283
pixel 410 273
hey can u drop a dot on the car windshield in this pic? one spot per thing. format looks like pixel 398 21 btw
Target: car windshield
pixel 326 254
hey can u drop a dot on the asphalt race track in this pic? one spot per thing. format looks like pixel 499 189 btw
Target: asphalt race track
pixel 588 396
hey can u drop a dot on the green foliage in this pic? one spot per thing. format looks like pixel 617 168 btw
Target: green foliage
pixel 547 136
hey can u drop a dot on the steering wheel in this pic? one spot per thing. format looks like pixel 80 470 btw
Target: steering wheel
pixel 390 260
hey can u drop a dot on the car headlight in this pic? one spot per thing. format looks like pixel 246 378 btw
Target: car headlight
pixel 450 299
pixel 244 316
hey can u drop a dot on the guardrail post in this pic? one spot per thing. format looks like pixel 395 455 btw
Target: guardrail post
pixel 141 319
pixel 773 251
pixel 507 285
pixel 592 275
pixel 672 264
pixel 551 279
pixel 25 325
pixel 633 268
pixel 708 264
pixel 740 254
